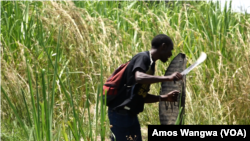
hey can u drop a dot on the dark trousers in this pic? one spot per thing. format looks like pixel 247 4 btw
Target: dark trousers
pixel 124 127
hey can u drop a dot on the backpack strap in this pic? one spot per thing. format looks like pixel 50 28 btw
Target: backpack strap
pixel 127 100
pixel 151 60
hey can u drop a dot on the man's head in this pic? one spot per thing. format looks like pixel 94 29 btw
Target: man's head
pixel 164 46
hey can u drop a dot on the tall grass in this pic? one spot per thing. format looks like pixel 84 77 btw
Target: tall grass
pixel 56 55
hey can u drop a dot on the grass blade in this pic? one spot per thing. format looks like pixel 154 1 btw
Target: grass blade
pixel 15 112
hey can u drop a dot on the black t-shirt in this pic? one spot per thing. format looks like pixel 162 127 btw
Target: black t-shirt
pixel 131 94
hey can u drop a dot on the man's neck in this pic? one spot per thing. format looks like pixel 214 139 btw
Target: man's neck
pixel 154 54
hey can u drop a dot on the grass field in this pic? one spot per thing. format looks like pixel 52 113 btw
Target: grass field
pixel 55 57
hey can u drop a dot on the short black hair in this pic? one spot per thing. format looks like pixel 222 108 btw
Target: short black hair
pixel 161 38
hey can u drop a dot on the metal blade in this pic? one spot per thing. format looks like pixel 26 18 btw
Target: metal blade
pixel 201 59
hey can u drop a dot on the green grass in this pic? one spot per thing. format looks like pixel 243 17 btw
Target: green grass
pixel 55 57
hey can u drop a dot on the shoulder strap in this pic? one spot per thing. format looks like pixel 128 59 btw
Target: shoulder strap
pixel 150 57
pixel 151 60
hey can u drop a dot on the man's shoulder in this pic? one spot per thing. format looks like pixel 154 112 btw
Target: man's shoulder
pixel 141 54
pixel 140 59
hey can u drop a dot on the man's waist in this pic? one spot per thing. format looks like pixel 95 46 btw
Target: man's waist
pixel 122 110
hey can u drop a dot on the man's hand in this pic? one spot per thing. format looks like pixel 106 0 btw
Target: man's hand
pixel 171 96
pixel 175 76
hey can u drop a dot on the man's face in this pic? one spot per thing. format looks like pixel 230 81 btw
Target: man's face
pixel 165 52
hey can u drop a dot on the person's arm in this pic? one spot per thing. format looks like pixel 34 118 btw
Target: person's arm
pixel 171 97
pixel 141 77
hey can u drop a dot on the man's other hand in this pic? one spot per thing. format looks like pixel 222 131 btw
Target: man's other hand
pixel 171 96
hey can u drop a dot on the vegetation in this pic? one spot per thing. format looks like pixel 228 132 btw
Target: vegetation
pixel 56 55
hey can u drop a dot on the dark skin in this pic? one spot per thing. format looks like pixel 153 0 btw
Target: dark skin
pixel 162 53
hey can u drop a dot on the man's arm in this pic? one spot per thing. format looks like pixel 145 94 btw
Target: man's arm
pixel 144 78
pixel 171 97
pixel 151 98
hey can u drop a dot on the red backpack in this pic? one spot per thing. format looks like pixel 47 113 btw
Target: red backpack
pixel 111 86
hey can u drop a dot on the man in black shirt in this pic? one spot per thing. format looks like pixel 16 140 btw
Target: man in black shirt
pixel 135 84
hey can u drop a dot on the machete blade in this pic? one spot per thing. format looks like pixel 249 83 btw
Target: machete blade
pixel 201 59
